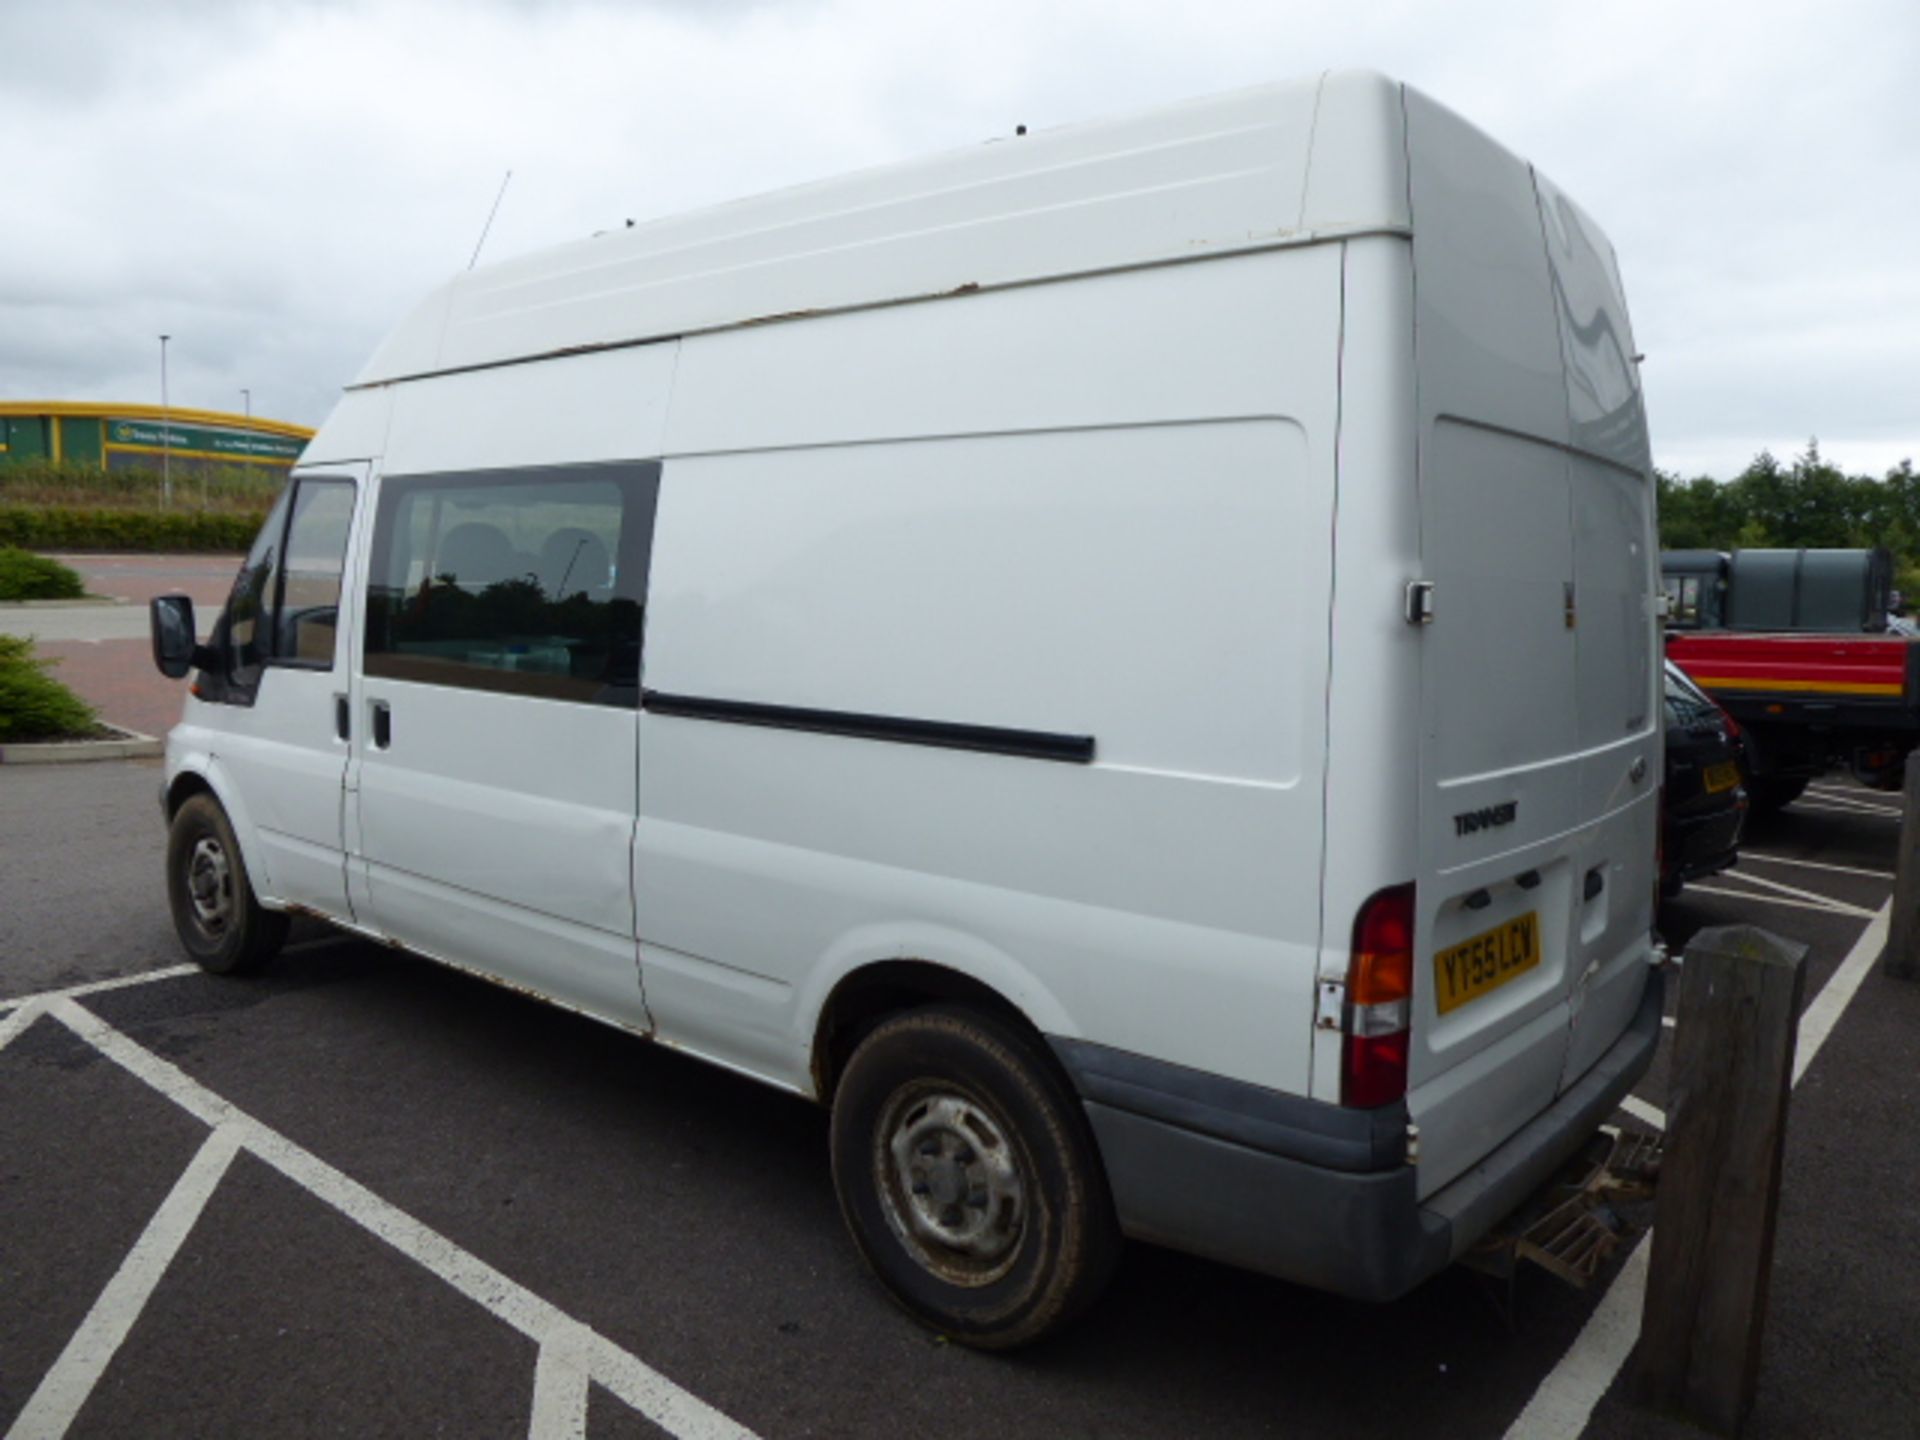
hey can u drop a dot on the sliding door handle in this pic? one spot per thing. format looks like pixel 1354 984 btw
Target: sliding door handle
pixel 342 718
pixel 382 725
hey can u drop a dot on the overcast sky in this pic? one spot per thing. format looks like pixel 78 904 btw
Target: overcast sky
pixel 274 183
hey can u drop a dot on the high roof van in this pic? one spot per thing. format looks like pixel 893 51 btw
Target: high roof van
pixel 1122 661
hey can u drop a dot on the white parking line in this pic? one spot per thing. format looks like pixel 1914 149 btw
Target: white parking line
pixel 1825 907
pixel 1746 854
pixel 118 982
pixel 65 1387
pixel 1561 1407
pixel 678 1411
pixel 1819 1018
pixel 1857 795
pixel 1843 906
pixel 1643 1112
pixel 18 1021
pixel 1849 808
pixel 559 1397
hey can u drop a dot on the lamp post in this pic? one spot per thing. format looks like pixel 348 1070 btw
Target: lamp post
pixel 246 397
pixel 166 431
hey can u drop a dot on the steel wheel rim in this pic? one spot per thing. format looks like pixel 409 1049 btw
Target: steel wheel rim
pixel 209 885
pixel 951 1182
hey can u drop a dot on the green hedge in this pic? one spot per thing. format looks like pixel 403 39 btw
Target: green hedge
pixel 60 527
pixel 26 576
pixel 34 705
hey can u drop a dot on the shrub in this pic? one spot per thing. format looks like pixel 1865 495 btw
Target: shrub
pixel 25 576
pixel 34 705
pixel 66 527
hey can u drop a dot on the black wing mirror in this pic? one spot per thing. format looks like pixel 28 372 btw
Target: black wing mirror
pixel 175 651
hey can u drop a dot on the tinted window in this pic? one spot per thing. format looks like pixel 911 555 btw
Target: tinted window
pixel 527 581
pixel 1686 703
pixel 315 553
pixel 249 607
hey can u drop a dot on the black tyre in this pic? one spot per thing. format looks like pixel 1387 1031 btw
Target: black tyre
pixel 220 923
pixel 969 1177
pixel 1768 793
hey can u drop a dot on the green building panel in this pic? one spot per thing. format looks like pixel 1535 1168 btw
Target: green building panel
pixel 80 442
pixel 26 438
pixel 145 439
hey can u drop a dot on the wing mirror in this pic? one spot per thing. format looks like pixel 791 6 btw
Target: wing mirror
pixel 175 650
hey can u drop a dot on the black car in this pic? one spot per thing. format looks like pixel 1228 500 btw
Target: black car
pixel 1704 803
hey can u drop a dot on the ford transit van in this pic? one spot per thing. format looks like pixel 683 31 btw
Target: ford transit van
pixel 1121 661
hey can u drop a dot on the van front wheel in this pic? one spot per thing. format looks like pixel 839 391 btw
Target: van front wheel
pixel 968 1176
pixel 220 923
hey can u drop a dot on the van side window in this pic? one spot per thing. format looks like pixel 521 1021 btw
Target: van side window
pixel 307 610
pixel 530 582
pixel 250 605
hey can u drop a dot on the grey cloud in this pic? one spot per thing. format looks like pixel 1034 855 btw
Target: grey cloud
pixel 276 181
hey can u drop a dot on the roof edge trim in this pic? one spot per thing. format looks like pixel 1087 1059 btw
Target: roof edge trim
pixel 1327 235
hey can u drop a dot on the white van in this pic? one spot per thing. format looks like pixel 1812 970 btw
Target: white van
pixel 1122 661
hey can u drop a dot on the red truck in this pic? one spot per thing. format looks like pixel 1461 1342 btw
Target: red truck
pixel 1794 644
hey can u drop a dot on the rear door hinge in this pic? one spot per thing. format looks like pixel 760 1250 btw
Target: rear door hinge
pixel 1331 1013
pixel 1419 602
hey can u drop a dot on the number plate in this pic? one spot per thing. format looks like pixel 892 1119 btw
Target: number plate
pixel 1489 960
pixel 1723 776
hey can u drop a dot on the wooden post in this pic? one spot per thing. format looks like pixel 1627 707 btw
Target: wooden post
pixel 1713 1226
pixel 1902 956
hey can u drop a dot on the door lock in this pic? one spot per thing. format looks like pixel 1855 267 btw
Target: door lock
pixel 1419 602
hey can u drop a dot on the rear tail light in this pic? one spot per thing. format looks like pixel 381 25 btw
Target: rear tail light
pixel 1379 1009
pixel 1733 725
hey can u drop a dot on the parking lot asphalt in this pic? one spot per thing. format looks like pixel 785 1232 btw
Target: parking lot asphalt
pixel 364 1195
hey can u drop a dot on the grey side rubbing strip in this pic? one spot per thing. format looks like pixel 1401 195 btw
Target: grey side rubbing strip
pixel 1289 1126
pixel 942 734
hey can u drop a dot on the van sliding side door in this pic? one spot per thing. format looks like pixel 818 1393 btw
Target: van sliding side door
pixel 496 723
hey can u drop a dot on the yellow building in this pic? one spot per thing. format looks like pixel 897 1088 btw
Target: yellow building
pixel 143 437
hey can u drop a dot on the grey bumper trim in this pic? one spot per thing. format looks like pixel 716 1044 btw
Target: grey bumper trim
pixel 1359 1233
pixel 1268 1121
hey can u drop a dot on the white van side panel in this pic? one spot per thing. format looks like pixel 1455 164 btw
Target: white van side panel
pixel 1123 533
pixel 606 406
pixel 1373 688
pixel 1227 338
pixel 1202 177
pixel 356 429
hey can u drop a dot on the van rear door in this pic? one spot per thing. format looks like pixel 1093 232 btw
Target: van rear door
pixel 1616 552
pixel 1538 762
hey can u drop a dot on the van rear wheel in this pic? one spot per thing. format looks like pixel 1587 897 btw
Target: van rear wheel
pixel 969 1178
pixel 223 927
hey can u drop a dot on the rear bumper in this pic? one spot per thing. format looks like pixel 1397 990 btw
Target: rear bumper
pixel 1191 1168
pixel 1697 845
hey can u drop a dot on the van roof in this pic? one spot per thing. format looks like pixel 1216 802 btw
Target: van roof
pixel 1280 164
